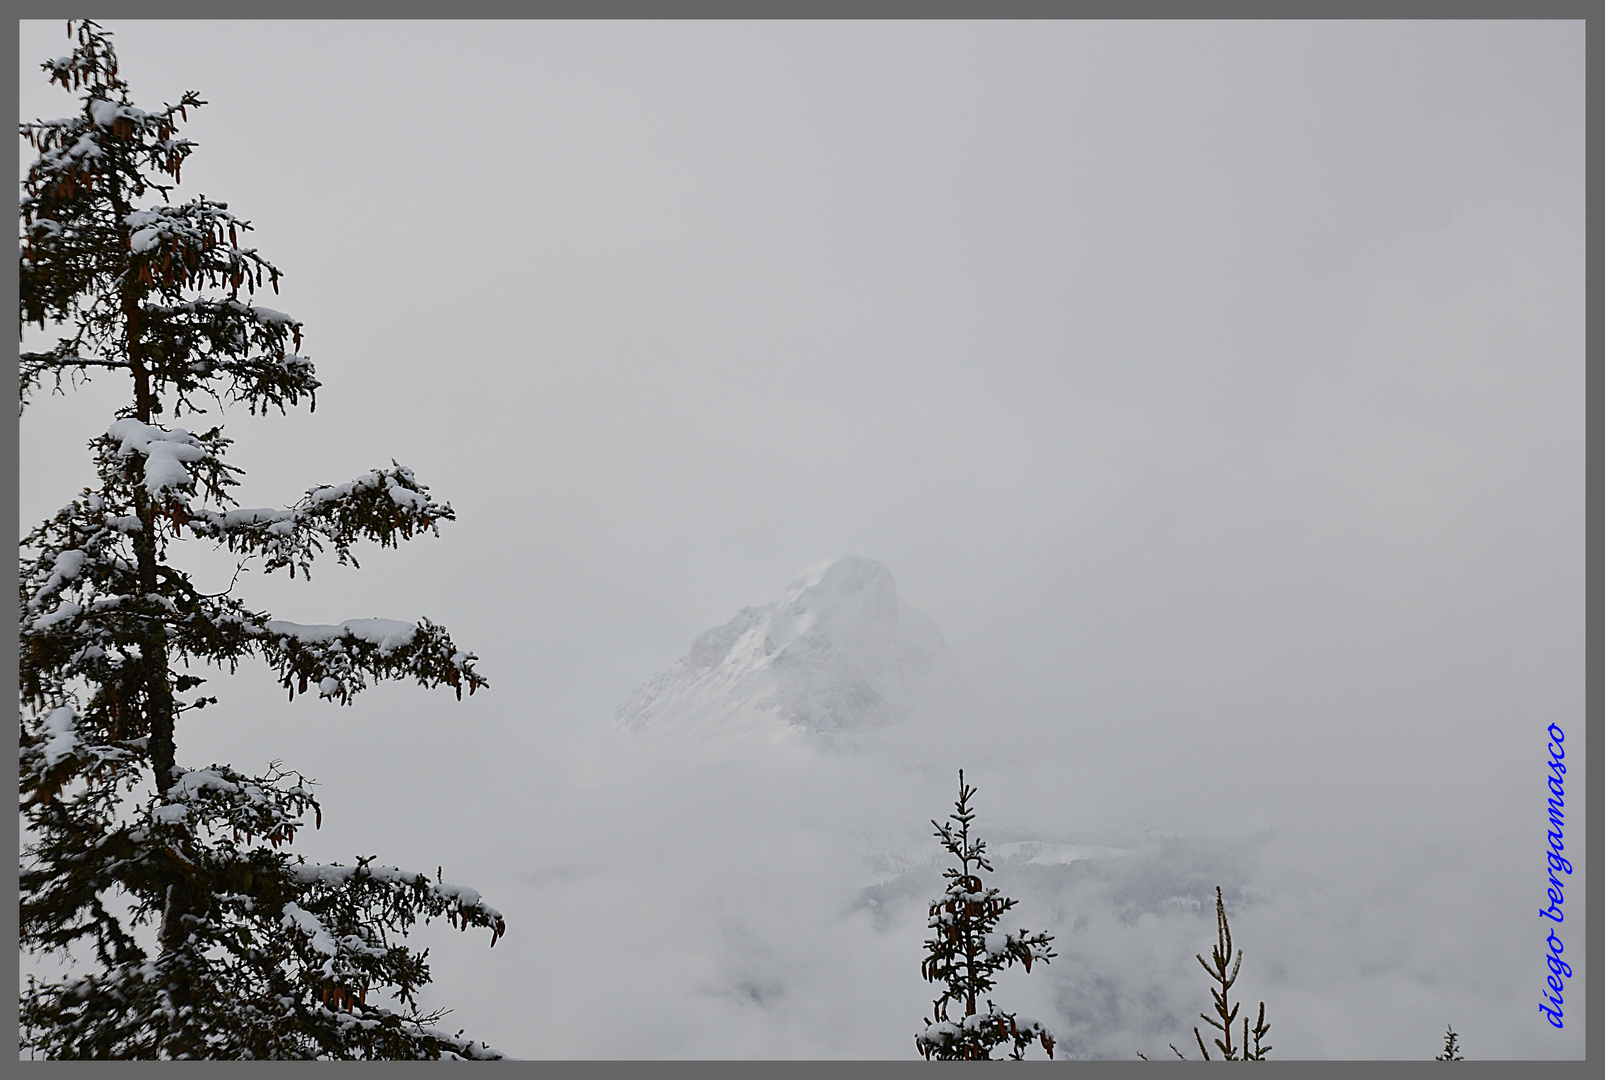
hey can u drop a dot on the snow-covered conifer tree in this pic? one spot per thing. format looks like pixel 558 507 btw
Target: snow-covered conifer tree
pixel 967 950
pixel 201 934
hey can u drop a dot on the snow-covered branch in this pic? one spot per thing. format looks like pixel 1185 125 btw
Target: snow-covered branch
pixel 192 344
pixel 336 660
pixel 385 505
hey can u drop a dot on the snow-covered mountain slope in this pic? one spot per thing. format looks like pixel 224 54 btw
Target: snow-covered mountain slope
pixel 837 655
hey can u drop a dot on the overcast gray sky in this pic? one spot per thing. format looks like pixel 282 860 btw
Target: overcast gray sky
pixel 1216 389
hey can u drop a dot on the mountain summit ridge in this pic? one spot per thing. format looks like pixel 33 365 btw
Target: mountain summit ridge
pixel 839 653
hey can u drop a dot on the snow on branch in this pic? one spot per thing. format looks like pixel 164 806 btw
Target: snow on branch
pixel 172 465
pixel 344 918
pixel 947 1039
pixel 226 801
pixel 192 345
pixel 54 750
pixel 85 614
pixel 255 1011
pixel 196 243
pixel 335 892
pixel 385 505
pixel 81 612
pixel 171 462
pixel 165 454
pixel 337 659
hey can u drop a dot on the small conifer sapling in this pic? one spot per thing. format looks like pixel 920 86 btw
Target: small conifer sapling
pixel 1223 969
pixel 1451 1046
pixel 966 951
